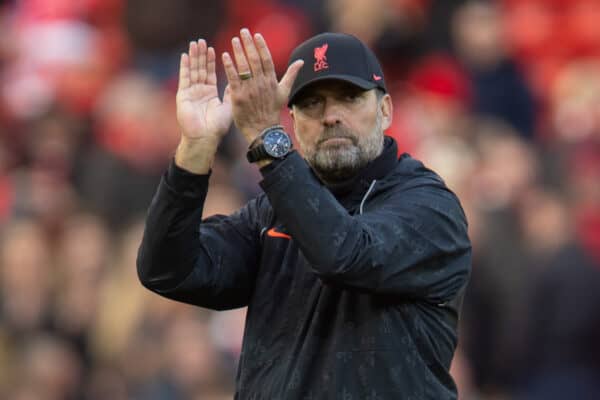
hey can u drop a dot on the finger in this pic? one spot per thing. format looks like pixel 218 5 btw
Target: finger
pixel 227 95
pixel 240 56
pixel 265 55
pixel 251 52
pixel 211 70
pixel 230 71
pixel 201 60
pixel 184 71
pixel 285 85
pixel 193 62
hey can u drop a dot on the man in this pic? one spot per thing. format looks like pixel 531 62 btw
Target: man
pixel 353 262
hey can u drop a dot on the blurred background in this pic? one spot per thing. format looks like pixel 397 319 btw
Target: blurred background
pixel 502 98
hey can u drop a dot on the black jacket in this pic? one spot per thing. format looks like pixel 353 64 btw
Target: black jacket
pixel 350 296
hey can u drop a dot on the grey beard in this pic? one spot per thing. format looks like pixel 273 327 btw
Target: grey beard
pixel 338 163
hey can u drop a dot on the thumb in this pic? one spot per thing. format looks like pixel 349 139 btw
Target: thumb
pixel 285 85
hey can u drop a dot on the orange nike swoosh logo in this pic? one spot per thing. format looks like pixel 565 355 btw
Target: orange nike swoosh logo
pixel 273 233
pixel 376 77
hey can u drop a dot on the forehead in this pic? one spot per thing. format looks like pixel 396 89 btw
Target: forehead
pixel 329 87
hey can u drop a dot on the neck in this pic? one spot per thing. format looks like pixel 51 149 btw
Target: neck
pixel 334 180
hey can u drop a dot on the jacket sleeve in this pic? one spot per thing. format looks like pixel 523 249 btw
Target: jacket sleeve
pixel 209 263
pixel 415 245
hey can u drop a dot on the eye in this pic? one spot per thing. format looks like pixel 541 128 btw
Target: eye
pixel 352 97
pixel 309 102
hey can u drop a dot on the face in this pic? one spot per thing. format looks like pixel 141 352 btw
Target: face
pixel 339 127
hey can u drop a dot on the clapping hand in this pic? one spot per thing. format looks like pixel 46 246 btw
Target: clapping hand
pixel 203 118
pixel 256 95
pixel 200 112
pixel 253 99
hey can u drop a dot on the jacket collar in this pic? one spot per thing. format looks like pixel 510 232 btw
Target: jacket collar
pixel 374 170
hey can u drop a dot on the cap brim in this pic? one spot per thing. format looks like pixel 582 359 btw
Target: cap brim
pixel 361 83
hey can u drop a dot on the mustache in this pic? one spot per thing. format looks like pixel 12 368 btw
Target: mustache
pixel 337 133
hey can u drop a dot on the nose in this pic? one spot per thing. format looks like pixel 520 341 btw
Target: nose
pixel 332 113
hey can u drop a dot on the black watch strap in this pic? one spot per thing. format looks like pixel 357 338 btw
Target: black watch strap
pixel 257 152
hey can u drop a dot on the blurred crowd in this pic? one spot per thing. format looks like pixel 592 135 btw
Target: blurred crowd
pixel 502 98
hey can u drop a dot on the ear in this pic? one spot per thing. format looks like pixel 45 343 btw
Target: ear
pixel 387 111
pixel 293 117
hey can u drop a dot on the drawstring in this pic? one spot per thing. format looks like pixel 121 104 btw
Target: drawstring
pixel 366 195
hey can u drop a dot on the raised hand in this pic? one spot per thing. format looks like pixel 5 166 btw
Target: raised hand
pixel 203 118
pixel 200 112
pixel 256 96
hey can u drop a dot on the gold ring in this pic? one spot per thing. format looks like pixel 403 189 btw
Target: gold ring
pixel 245 75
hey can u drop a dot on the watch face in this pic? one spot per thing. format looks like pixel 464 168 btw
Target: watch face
pixel 277 143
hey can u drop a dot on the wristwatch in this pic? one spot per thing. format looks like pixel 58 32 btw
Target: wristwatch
pixel 272 143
